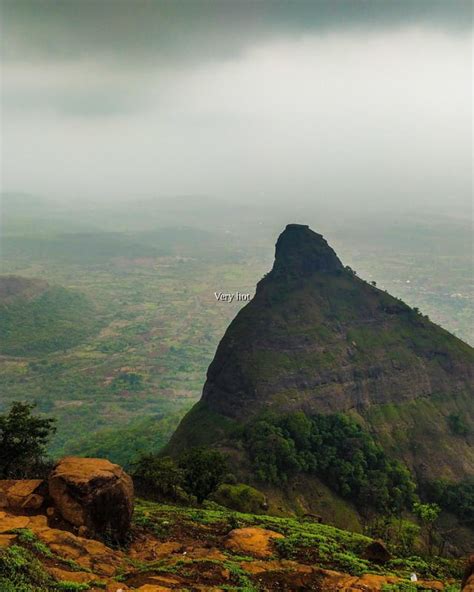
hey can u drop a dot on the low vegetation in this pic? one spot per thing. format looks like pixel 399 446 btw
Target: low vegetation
pixel 57 319
pixel 457 498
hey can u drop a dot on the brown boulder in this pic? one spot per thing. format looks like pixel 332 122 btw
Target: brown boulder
pixel 377 552
pixel 116 587
pixel 95 494
pixel 333 581
pixel 275 565
pixel 252 541
pixel 7 539
pixel 468 578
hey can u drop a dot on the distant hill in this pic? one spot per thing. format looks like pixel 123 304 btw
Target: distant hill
pixel 321 360
pixel 37 318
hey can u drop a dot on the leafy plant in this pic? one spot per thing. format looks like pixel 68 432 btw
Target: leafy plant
pixel 203 471
pixel 158 477
pixel 20 571
pixel 23 439
pixel 457 498
pixel 427 514
pixel 458 425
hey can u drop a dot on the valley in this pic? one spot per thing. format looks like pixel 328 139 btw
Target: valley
pixel 156 319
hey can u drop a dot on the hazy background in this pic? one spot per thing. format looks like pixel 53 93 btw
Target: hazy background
pixel 353 104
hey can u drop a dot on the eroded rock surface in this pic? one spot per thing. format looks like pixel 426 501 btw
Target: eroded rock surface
pixel 252 541
pixel 22 494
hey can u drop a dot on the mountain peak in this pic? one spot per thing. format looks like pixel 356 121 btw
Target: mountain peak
pixel 316 342
pixel 300 252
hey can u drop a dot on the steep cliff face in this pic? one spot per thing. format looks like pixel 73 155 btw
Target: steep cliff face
pixel 319 339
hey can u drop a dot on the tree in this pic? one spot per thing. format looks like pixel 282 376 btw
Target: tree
pixel 457 498
pixel 203 471
pixel 458 425
pixel 158 476
pixel 427 514
pixel 23 439
pixel 335 448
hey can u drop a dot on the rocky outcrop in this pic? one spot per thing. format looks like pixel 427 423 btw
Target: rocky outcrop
pixel 93 495
pixel 26 494
pixel 300 252
pixel 469 585
pixel 377 552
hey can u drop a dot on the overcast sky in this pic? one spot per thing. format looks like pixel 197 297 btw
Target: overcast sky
pixel 340 101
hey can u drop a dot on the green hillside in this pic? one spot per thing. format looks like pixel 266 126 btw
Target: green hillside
pixel 36 318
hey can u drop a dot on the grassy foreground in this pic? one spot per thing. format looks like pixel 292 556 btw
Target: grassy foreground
pixel 304 541
pixel 183 548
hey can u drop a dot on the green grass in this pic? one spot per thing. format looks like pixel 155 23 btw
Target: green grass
pixel 28 538
pixel 20 571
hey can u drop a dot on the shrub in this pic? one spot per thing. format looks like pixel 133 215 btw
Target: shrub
pixel 203 471
pixel 457 424
pixel 240 497
pixel 457 498
pixel 158 477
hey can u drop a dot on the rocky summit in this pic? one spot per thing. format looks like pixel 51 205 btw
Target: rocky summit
pixel 318 339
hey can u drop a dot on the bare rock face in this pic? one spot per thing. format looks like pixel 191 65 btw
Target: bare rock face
pixel 24 494
pixel 94 495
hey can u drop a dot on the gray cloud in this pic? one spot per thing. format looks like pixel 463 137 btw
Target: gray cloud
pixel 144 31
pixel 368 99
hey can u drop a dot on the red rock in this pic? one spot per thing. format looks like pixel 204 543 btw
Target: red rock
pixel 62 575
pixel 25 494
pixel 252 541
pixel 10 522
